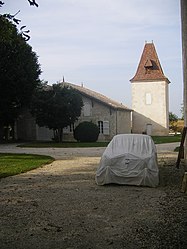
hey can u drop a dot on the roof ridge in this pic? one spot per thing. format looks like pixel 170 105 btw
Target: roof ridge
pixel 98 96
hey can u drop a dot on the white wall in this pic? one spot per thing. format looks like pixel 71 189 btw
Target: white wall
pixel 150 104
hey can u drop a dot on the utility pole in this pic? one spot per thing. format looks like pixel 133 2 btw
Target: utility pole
pixel 184 59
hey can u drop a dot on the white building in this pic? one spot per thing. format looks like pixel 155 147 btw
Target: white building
pixel 150 95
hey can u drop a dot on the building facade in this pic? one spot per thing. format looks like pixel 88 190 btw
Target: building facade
pixel 150 95
pixel 111 117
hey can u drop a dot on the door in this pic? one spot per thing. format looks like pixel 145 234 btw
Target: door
pixel 149 129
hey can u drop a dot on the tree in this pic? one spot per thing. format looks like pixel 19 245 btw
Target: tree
pixel 173 117
pixel 56 107
pixel 86 132
pixel 15 20
pixel 19 73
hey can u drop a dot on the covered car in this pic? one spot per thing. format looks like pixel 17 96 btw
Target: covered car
pixel 129 159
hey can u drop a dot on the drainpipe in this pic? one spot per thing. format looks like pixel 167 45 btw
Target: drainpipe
pixel 116 122
pixel 184 59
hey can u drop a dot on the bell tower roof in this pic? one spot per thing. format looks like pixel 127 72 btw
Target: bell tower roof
pixel 149 68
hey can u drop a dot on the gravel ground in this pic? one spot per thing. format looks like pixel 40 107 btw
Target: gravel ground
pixel 60 206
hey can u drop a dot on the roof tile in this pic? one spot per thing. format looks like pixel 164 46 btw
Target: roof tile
pixel 97 96
pixel 149 67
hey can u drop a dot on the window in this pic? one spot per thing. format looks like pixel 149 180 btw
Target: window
pixel 87 109
pixel 148 99
pixel 106 127
pixel 68 129
pixel 100 125
pixel 103 127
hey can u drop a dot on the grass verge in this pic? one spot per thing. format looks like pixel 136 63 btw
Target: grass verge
pixel 50 144
pixel 166 139
pixel 13 164
pixel 63 145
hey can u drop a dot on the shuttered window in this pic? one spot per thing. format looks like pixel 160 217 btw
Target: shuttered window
pixel 103 127
pixel 148 99
pixel 100 125
pixel 68 129
pixel 87 110
pixel 106 127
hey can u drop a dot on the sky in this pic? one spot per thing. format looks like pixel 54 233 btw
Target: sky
pixel 98 43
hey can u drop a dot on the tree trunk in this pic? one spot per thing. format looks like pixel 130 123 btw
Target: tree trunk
pixel 60 130
pixel 1 132
pixel 13 131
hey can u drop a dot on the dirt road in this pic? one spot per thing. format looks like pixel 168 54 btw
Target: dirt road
pixel 60 206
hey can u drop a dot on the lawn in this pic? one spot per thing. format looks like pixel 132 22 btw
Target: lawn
pixel 13 164
pixel 166 139
pixel 156 139
pixel 63 145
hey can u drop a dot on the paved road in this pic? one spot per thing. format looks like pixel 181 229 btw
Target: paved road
pixel 60 153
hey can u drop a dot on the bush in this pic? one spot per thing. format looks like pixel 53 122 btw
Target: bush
pixel 86 132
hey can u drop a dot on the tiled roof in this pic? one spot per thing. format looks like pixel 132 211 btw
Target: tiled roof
pixel 97 96
pixel 149 67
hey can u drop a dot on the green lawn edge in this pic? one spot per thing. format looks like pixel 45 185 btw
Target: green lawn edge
pixel 51 144
pixel 13 164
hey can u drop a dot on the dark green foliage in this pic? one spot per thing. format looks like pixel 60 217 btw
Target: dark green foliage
pixel 19 73
pixel 86 132
pixel 15 20
pixel 173 117
pixel 56 107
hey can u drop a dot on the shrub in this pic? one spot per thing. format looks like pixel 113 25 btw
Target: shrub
pixel 86 132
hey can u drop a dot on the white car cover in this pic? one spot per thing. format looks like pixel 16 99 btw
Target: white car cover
pixel 129 159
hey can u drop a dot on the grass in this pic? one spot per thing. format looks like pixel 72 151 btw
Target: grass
pixel 156 139
pixel 13 164
pixel 166 139
pixel 63 145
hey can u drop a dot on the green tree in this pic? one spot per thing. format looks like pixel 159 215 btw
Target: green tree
pixel 19 73
pixel 86 132
pixel 15 20
pixel 56 107
pixel 173 117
